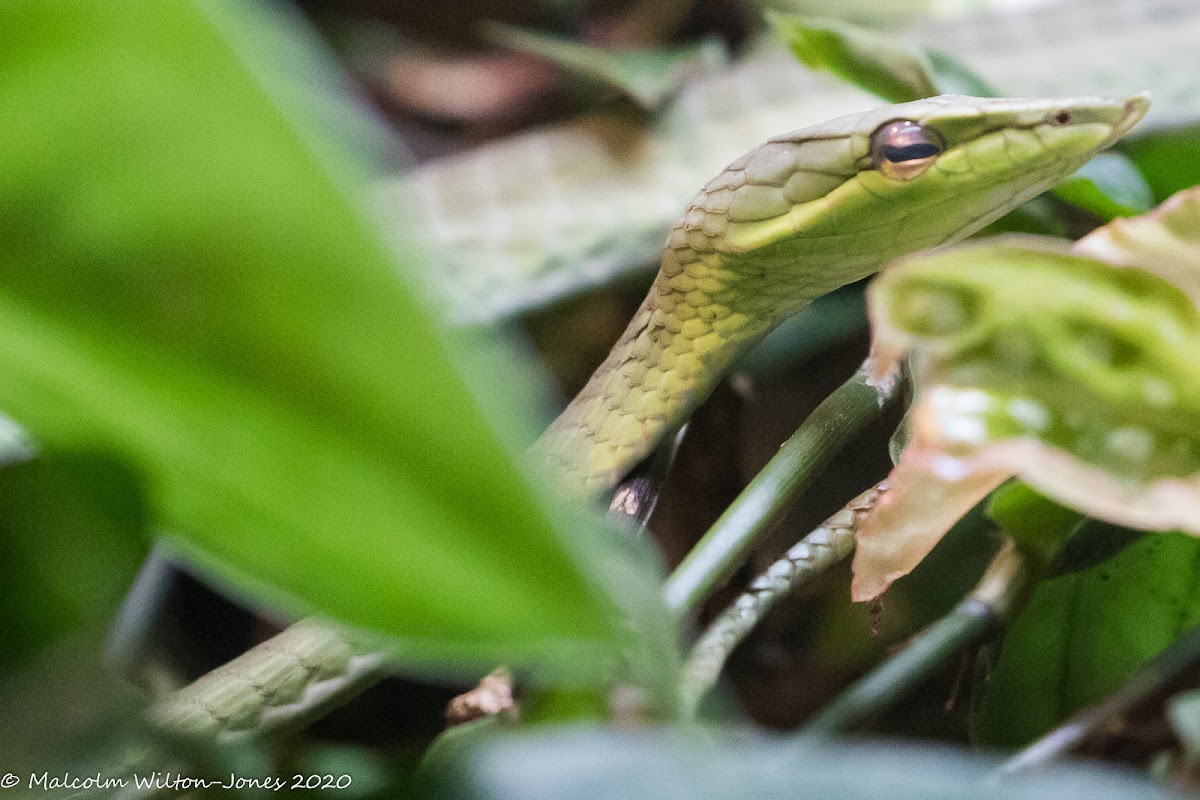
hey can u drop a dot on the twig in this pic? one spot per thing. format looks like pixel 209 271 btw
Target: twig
pixel 816 552
pixel 841 416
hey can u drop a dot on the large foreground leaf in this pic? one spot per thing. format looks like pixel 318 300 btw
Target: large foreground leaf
pixel 72 534
pixel 604 765
pixel 185 281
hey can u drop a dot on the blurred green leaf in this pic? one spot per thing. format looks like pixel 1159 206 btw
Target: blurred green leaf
pixel 1043 365
pixel 186 276
pixel 647 76
pixel 589 764
pixel 447 752
pixel 1039 526
pixel 63 709
pixel 878 63
pixel 72 535
pixel 1083 633
pixel 1165 242
pixel 1168 158
pixel 369 773
pixel 1048 365
pixel 951 76
pixel 1108 186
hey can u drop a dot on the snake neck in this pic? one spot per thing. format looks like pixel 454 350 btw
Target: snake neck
pixel 696 321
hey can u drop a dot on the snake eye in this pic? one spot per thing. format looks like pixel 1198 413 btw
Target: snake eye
pixel 905 149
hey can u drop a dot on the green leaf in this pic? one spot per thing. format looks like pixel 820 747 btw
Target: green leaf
pixel 1108 186
pixel 878 63
pixel 1169 158
pixel 1077 375
pixel 588 764
pixel 64 709
pixel 1039 526
pixel 1083 633
pixel 448 750
pixel 1165 242
pixel 951 76
pixel 187 278
pixel 1073 374
pixel 647 76
pixel 364 772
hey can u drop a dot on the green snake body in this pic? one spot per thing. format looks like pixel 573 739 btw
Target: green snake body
pixel 284 679
pixel 792 220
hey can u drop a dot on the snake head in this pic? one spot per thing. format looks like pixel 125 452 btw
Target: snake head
pixel 1077 375
pixel 829 204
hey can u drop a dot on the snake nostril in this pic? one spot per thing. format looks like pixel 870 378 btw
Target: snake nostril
pixel 1062 117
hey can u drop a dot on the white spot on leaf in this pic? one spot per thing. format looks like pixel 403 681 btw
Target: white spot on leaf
pixel 1031 414
pixel 1134 444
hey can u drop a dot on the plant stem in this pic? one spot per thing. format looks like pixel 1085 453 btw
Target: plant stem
pixel 841 416
pixel 1003 588
pixel 816 552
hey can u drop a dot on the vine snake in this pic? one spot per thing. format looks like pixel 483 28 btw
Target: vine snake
pixel 796 218
pixel 793 219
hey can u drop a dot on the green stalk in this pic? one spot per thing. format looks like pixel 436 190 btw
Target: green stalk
pixel 815 553
pixel 1035 530
pixel 1003 588
pixel 840 417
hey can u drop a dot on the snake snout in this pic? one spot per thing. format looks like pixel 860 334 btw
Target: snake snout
pixel 1117 114
pixel 1135 108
